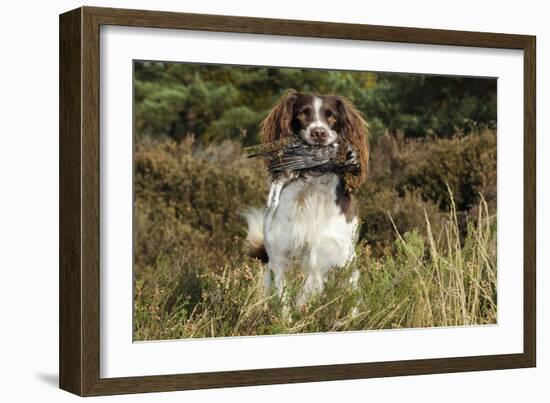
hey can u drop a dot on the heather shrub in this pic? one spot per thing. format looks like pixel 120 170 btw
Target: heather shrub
pixel 412 177
pixel 466 164
pixel 187 202
pixel 377 205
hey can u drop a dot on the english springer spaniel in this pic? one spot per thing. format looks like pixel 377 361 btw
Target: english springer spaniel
pixel 310 215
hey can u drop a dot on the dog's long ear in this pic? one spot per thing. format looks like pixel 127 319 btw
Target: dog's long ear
pixel 278 123
pixel 355 130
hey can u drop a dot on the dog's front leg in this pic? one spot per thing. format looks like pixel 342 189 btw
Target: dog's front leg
pixel 278 269
pixel 267 281
pixel 313 285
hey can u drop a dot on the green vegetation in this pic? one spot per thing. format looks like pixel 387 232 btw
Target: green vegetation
pixel 427 247
pixel 216 103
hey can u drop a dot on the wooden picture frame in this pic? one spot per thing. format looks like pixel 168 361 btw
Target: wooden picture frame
pixel 79 347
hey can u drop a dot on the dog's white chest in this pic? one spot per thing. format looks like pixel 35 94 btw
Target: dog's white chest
pixel 309 225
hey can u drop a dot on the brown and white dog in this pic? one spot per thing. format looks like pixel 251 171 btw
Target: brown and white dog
pixel 314 220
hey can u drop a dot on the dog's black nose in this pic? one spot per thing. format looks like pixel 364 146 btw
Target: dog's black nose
pixel 319 134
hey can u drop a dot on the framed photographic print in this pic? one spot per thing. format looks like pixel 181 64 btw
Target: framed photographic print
pixel 249 201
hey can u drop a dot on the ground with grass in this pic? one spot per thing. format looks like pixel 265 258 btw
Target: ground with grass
pixel 426 254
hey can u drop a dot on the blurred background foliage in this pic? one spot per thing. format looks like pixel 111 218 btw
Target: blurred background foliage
pixel 216 103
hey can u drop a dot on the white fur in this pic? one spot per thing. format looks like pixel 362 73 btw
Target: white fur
pixel 306 225
pixel 255 221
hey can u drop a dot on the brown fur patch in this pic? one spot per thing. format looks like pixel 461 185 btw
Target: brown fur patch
pixel 278 124
pixel 258 252
pixel 356 131
pixel 344 200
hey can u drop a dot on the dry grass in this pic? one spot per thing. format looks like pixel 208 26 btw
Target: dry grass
pixel 431 279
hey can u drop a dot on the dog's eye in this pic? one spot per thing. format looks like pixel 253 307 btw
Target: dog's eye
pixel 301 116
pixel 331 119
